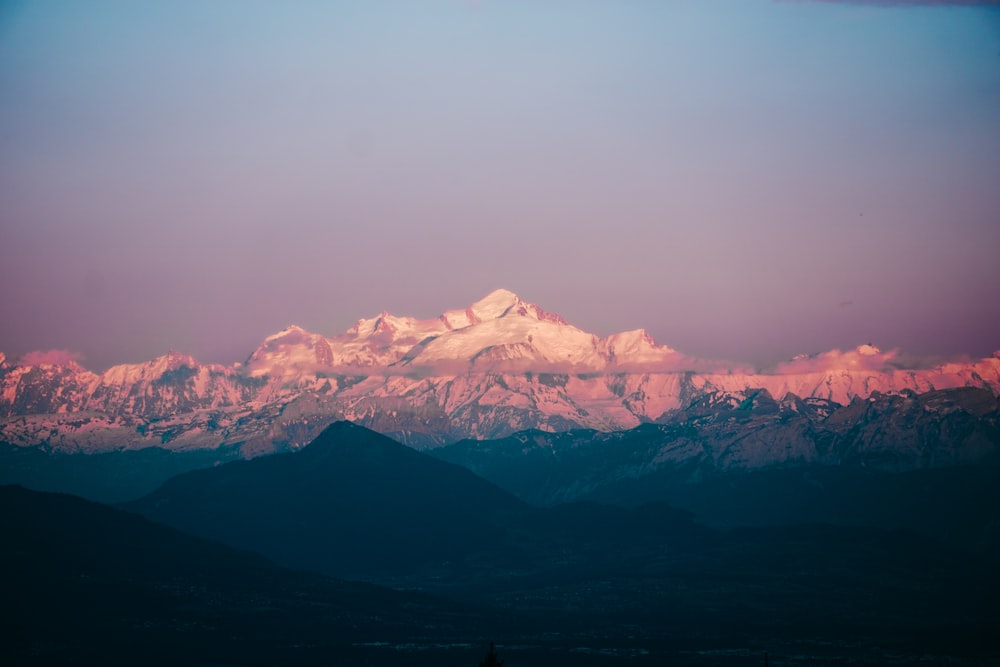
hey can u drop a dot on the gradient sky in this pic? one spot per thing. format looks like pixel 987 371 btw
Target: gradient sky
pixel 746 180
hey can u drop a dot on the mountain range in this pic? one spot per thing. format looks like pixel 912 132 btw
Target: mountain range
pixel 500 366
pixel 926 462
pixel 721 435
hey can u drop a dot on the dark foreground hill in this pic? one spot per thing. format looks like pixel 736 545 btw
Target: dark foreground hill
pixel 646 581
pixel 352 503
pixel 87 584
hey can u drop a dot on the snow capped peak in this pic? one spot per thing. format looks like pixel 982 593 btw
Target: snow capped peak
pixel 504 303
pixel 868 350
pixel 3 360
pixel 291 348
pixel 635 337
pixel 291 331
pixel 495 304
pixel 172 360
pixel 636 347
pixel 384 324
pixel 124 374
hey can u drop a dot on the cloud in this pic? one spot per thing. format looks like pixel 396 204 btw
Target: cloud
pixel 863 357
pixel 681 363
pixel 50 358
pixel 868 358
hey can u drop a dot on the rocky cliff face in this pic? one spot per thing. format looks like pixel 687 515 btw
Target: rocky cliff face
pixel 497 367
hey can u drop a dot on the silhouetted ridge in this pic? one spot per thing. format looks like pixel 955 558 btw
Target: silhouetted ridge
pixel 351 501
pixel 346 441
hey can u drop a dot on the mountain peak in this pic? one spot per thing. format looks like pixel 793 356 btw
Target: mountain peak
pixel 503 303
pixel 291 334
pixel 174 359
pixel 636 347
pixel 345 436
pixel 293 346
pixel 495 304
pixel 636 336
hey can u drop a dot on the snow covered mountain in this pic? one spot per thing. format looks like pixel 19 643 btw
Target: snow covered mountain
pixel 500 366
pixel 499 333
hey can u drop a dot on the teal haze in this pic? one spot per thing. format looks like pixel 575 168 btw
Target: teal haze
pixel 746 180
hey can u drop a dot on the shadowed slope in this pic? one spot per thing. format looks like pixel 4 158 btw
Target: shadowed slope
pixel 352 502
pixel 88 584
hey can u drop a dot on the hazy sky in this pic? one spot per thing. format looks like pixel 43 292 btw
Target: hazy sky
pixel 746 180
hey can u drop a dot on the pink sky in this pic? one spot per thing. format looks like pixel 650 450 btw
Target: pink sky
pixel 747 181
